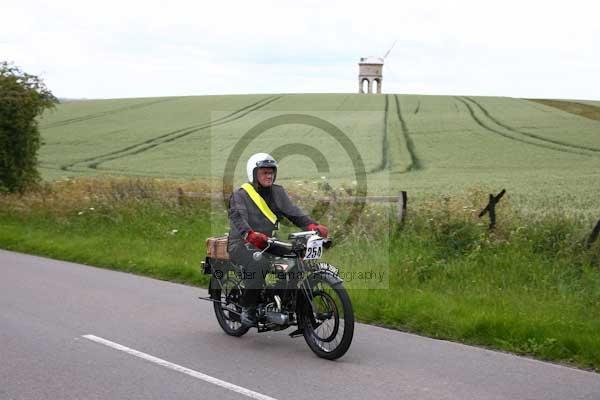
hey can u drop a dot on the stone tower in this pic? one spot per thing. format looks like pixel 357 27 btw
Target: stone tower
pixel 370 70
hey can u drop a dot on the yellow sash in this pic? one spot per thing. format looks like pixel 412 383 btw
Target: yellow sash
pixel 260 202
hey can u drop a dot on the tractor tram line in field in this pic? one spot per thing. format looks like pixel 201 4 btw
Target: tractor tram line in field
pixel 532 135
pixel 187 131
pixel 68 167
pixel 396 141
pixel 385 162
pixel 182 131
pixel 104 113
pixel 489 128
pixel 94 162
pixel 415 163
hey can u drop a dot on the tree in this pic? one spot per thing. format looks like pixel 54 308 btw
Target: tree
pixel 23 97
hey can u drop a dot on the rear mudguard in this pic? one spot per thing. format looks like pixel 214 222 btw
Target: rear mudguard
pixel 217 269
pixel 213 289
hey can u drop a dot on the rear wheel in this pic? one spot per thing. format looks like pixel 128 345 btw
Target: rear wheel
pixel 227 310
pixel 329 324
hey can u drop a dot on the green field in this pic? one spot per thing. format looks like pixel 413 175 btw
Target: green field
pixel 546 158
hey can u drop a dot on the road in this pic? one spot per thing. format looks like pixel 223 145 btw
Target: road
pixel 69 331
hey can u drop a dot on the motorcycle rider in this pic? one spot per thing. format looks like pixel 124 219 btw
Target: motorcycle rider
pixel 255 210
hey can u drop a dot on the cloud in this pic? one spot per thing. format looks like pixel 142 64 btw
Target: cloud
pixel 148 48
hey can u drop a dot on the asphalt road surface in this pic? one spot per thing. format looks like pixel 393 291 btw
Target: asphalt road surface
pixel 69 331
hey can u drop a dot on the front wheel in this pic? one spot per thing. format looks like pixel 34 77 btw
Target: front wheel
pixel 329 324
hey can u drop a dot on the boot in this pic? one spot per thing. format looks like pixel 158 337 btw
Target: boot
pixel 248 316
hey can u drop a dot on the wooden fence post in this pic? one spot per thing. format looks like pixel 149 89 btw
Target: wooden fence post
pixel 491 208
pixel 180 196
pixel 402 207
pixel 594 235
pixel 331 205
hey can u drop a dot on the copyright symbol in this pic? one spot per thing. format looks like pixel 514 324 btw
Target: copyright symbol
pixel 218 274
pixel 313 153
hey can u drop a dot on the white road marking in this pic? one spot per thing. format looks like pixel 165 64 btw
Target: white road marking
pixel 179 368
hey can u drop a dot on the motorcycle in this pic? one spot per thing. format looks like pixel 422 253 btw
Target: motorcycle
pixel 300 291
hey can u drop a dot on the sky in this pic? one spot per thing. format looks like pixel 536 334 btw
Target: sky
pixel 122 49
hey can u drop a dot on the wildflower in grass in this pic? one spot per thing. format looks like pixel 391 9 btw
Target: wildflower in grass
pixel 80 213
pixel 173 231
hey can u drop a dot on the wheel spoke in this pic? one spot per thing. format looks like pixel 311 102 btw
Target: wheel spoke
pixel 328 333
pixel 227 309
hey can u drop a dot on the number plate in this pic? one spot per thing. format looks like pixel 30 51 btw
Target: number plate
pixel 314 248
pixel 329 268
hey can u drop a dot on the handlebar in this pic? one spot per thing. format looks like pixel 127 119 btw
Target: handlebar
pixel 327 242
pixel 279 243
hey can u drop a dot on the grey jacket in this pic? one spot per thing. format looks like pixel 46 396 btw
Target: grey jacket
pixel 244 215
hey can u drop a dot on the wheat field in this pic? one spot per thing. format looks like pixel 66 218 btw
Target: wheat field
pixel 544 157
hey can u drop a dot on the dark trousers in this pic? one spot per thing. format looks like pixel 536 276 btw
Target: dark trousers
pixel 254 272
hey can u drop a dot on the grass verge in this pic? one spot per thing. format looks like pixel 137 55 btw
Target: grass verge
pixel 532 287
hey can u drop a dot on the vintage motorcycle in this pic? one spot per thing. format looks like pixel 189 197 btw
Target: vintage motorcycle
pixel 300 291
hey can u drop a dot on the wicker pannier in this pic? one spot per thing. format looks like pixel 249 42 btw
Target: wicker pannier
pixel 216 247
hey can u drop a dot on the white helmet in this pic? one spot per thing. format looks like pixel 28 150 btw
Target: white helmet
pixel 260 160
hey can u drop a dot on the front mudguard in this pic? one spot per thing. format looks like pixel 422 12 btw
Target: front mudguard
pixel 327 272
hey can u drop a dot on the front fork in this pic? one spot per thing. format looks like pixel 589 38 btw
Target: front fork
pixel 306 290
